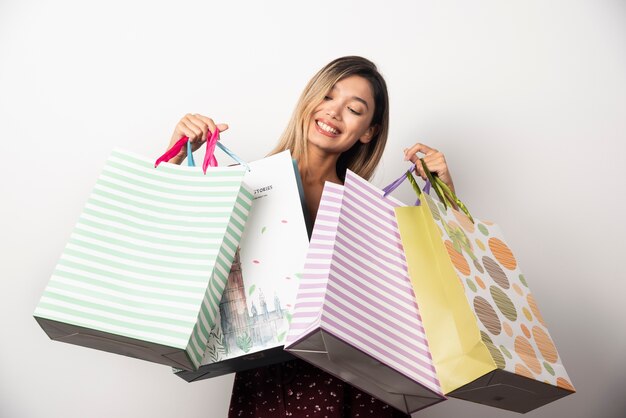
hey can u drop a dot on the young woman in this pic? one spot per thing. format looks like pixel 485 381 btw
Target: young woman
pixel 340 122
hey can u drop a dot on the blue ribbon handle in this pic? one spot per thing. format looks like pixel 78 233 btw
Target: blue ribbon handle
pixel 232 155
pixel 190 161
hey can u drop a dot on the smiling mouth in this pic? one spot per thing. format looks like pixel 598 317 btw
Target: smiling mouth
pixel 327 128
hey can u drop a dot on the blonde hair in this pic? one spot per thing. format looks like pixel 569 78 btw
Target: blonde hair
pixel 362 158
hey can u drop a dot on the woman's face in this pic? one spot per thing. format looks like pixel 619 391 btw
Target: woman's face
pixel 344 116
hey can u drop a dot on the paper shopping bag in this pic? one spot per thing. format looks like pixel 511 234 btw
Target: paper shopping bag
pixel 355 314
pixel 487 337
pixel 145 267
pixel 258 302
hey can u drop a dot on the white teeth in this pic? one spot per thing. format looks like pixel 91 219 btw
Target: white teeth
pixel 327 128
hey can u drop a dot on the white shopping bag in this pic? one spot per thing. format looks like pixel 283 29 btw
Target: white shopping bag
pixel 257 305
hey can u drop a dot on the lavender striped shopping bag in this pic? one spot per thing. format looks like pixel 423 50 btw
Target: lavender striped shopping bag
pixel 355 315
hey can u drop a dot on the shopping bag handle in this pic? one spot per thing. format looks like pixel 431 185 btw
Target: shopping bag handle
pixel 209 156
pixel 397 182
pixel 444 193
pixel 172 152
pixel 190 160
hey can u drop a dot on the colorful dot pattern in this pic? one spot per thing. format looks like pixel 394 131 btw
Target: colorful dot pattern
pixel 509 320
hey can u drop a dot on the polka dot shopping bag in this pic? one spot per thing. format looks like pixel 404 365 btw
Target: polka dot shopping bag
pixel 488 340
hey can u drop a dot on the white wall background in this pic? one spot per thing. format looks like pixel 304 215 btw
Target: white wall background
pixel 526 98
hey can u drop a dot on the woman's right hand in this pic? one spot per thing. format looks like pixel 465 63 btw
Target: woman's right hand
pixel 195 127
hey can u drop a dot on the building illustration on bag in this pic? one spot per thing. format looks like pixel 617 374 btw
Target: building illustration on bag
pixel 243 329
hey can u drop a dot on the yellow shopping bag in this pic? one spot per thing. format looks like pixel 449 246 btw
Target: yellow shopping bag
pixel 488 340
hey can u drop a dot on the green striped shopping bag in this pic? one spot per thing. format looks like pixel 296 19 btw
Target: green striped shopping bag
pixel 145 267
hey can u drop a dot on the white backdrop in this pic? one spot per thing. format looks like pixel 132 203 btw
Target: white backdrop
pixel 526 98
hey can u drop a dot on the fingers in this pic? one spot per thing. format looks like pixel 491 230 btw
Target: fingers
pixel 411 153
pixel 211 125
pixel 420 170
pixel 431 157
pixel 193 128
pixel 435 162
pixel 197 128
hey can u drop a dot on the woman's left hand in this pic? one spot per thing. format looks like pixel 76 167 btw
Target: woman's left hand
pixel 435 161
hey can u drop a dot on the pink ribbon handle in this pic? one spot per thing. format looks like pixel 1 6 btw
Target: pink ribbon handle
pixel 209 156
pixel 172 152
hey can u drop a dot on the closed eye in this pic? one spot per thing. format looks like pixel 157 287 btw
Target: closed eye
pixel 354 111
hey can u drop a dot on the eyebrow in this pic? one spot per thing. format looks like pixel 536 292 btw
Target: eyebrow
pixel 357 98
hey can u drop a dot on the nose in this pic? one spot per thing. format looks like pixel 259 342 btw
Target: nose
pixel 332 110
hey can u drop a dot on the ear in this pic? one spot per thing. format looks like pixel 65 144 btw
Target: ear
pixel 369 134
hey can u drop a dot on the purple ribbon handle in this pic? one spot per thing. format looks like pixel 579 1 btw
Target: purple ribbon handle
pixel 396 183
pixel 426 190
pixel 427 187
pixel 393 186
